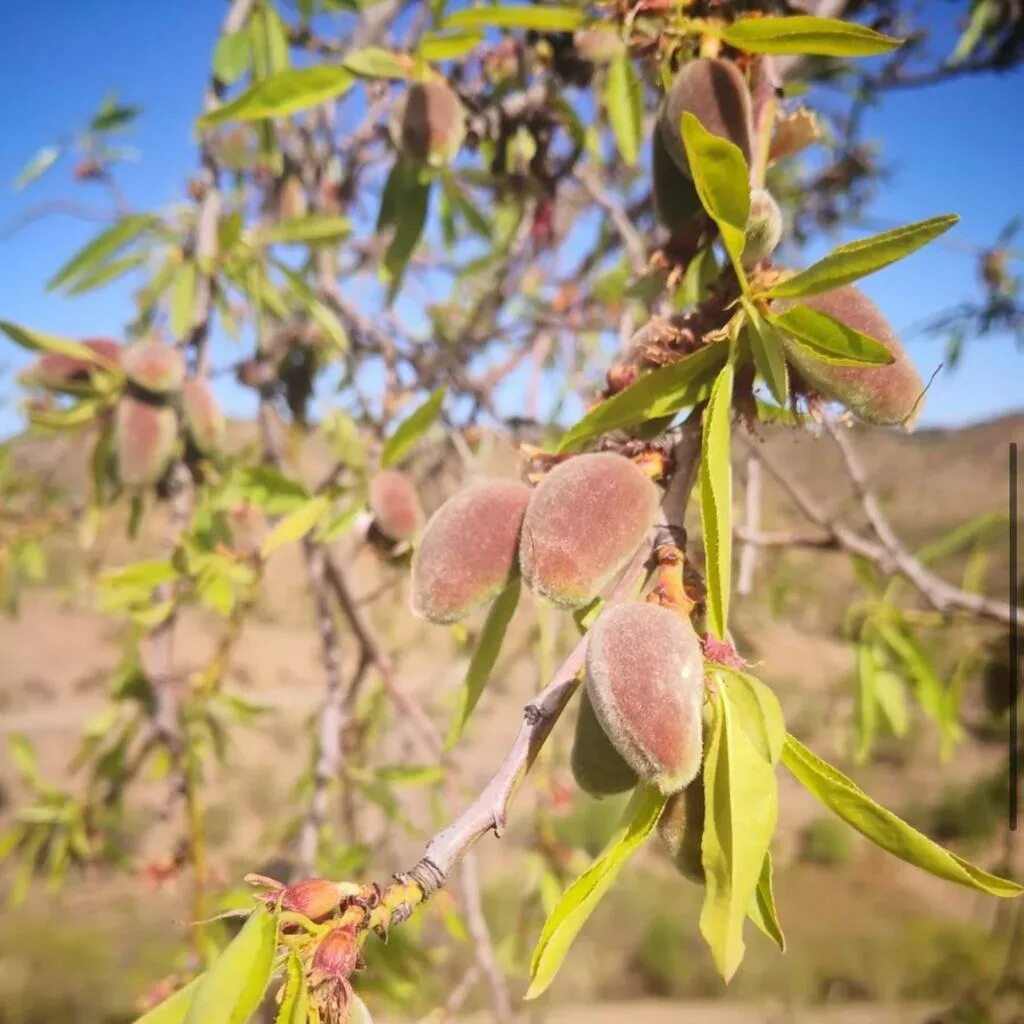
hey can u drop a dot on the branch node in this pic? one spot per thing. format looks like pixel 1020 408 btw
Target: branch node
pixel 427 875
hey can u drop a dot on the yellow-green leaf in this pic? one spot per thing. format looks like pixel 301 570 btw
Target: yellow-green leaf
pixel 294 1007
pixel 766 345
pixel 716 501
pixel 182 298
pixel 296 524
pixel 582 897
pixel 314 229
pixel 741 806
pixel 858 259
pixel 375 62
pixel 411 429
pixel 843 797
pixel 624 99
pixel 37 341
pixel 542 17
pixel 325 317
pixel 661 393
pixel 486 654
pixel 449 45
pixel 231 990
pixel 282 94
pixel 758 711
pixel 762 911
pixel 107 244
pixel 824 37
pixel 721 177
pixel 829 340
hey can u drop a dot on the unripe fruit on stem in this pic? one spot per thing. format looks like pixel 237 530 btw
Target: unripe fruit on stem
pixel 645 678
pixel 467 554
pixel 886 395
pixel 54 371
pixel 395 505
pixel 675 198
pixel 715 92
pixel 145 441
pixel 764 228
pixel 203 417
pixel 681 827
pixel 597 766
pixel 428 123
pixel 154 366
pixel 314 898
pixel 584 522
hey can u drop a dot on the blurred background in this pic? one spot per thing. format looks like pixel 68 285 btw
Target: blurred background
pixel 869 938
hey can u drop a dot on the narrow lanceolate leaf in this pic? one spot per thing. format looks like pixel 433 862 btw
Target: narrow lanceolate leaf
pixel 174 1008
pixel 105 273
pixel 758 712
pixel 405 203
pixel 827 339
pixel 183 295
pixel 716 501
pixel 37 341
pixel 741 805
pixel 233 987
pixel 843 797
pixel 315 229
pixel 824 37
pixel 721 177
pixel 37 166
pixel 858 259
pixel 411 429
pixel 579 901
pixel 324 316
pixel 104 246
pixel 282 94
pixel 657 394
pixel 543 17
pixel 484 657
pixel 294 1007
pixel 448 45
pixel 866 703
pixel 624 98
pixel 375 62
pixel 762 910
pixel 296 524
pixel 766 347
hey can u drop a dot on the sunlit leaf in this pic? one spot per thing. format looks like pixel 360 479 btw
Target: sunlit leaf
pixel 283 94
pixel 107 244
pixel 542 17
pixel 448 46
pixel 37 166
pixel 411 429
pixel 374 62
pixel 829 340
pixel 624 99
pixel 762 911
pixel 824 37
pixel 295 525
pixel 766 346
pixel 174 1008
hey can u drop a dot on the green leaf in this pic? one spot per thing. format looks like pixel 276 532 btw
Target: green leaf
pixel 829 340
pixel 411 429
pixel 296 524
pixel 174 1008
pixel 891 694
pixel 721 177
pixel 314 229
pixel 716 501
pixel 542 17
pixel 741 805
pixel 295 1000
pixel 374 62
pixel 866 705
pixel 106 272
pixel 37 166
pixel 324 316
pixel 482 663
pixel 231 56
pixel 758 712
pixel 113 115
pixel 858 259
pixel 183 296
pixel 102 247
pixel 762 911
pixel 146 575
pixel 231 990
pixel 271 490
pixel 657 394
pixel 579 901
pixel 282 94
pixel 823 37
pixel 23 756
pixel 447 46
pixel 37 341
pixel 624 98
pixel 410 199
pixel 844 798
pixel 766 345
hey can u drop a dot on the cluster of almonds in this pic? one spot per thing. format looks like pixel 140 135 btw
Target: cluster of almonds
pixel 154 399
pixel 716 93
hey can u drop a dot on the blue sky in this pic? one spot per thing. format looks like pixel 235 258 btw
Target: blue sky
pixel 952 147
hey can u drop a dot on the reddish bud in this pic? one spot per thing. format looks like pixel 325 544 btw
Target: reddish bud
pixel 584 522
pixel 337 956
pixel 314 898
pixel 467 554
pixel 395 505
pixel 645 678
pixel 154 366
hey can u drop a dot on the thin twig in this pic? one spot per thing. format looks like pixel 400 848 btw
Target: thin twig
pixel 476 922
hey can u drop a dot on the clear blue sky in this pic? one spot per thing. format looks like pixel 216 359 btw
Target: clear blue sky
pixel 954 148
